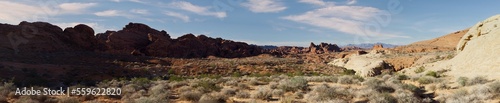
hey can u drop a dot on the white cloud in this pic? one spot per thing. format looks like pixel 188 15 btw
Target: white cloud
pixel 351 2
pixel 183 17
pixel 14 12
pixel 200 10
pixel 75 7
pixel 112 13
pixel 264 6
pixel 116 0
pixel 140 11
pixel 316 2
pixel 347 19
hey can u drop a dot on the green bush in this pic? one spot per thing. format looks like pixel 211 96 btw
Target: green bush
pixel 213 98
pixel 348 72
pixel 294 84
pixel 478 80
pixel 432 74
pixel 242 94
pixel 262 93
pixel 208 85
pixel 191 95
pixel 426 80
pixel 463 81
pixel 402 77
pixel 419 70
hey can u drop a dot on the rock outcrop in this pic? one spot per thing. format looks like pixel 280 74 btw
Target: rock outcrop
pixel 365 65
pixel 478 51
pixel 140 39
pixel 45 37
pixel 323 48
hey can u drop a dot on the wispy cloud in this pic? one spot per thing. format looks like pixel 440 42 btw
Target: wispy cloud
pixel 347 19
pixel 22 11
pixel 200 10
pixel 113 13
pixel 317 2
pixel 140 11
pixel 351 2
pixel 75 7
pixel 264 6
pixel 108 13
pixel 183 17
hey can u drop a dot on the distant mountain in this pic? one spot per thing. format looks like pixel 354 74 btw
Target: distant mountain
pixel 267 47
pixel 370 45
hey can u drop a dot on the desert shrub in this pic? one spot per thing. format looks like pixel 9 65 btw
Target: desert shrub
pixel 478 80
pixel 334 101
pixel 65 99
pixel 242 94
pixel 191 95
pixel 419 70
pixel 159 93
pixel 231 83
pixel 495 87
pixel 178 84
pixel 277 92
pixel 143 82
pixel 402 77
pixel 150 100
pixel 322 79
pixel 228 92
pixel 255 82
pixel 287 99
pixel 273 85
pixel 426 80
pixel 349 79
pixel 243 86
pixel 322 93
pixel 298 95
pixel 26 99
pixel 207 85
pixel 410 87
pixel 262 93
pixel 372 82
pixel 213 98
pixel 6 88
pixel 382 98
pixel 432 74
pixel 93 101
pixel 294 84
pixel 462 81
pixel 348 72
pixel 407 97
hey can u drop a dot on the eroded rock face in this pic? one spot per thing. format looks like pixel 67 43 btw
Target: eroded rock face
pixel 478 51
pixel 81 36
pixel 365 65
pixel 45 37
pixel 323 48
pixel 140 39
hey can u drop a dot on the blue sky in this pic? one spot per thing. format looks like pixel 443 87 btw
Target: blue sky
pixel 266 22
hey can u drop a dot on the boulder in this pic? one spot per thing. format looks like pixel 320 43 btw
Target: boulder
pixel 45 37
pixel 478 51
pixel 81 36
pixel 364 65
